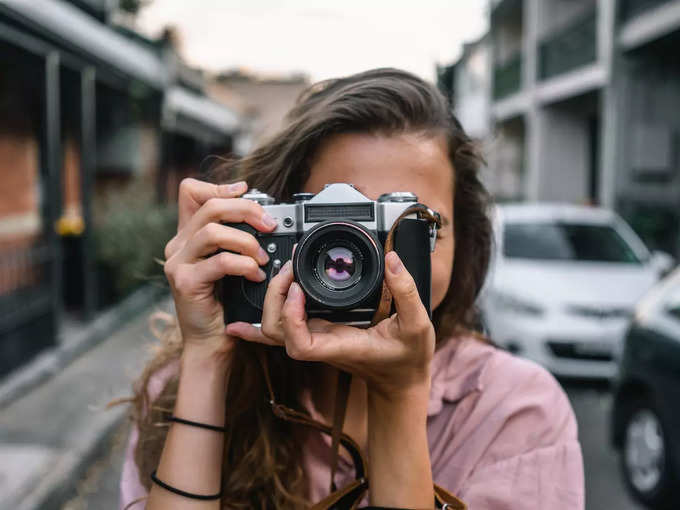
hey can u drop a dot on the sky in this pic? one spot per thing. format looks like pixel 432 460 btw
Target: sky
pixel 320 38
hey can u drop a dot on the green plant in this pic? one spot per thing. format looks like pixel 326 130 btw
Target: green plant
pixel 131 230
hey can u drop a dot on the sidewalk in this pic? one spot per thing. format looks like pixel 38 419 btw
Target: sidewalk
pixel 50 435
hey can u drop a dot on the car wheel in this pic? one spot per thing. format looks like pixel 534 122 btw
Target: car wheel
pixel 645 456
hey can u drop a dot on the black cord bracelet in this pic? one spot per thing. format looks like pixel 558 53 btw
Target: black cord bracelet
pixel 197 424
pixel 180 492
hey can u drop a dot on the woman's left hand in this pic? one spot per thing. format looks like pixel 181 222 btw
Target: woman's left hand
pixel 393 357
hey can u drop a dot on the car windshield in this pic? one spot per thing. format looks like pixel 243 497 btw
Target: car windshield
pixel 566 241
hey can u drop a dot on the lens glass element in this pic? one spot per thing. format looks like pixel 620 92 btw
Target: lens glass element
pixel 339 265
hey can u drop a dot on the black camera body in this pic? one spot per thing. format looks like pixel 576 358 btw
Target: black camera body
pixel 339 258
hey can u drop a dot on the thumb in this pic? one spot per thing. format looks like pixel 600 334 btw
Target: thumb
pixel 410 309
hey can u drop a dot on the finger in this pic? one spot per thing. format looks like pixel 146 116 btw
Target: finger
pixel 293 323
pixel 214 236
pixel 277 291
pixel 331 343
pixel 194 193
pixel 250 333
pixel 339 344
pixel 224 263
pixel 230 210
pixel 411 312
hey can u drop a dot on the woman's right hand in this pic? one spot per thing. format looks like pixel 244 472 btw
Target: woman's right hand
pixel 192 267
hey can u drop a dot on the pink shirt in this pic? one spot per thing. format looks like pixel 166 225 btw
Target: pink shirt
pixel 501 433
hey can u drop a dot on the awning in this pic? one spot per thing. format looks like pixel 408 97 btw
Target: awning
pixel 181 103
pixel 649 25
pixel 89 36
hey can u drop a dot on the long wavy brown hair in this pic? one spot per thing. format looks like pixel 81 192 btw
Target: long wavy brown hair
pixel 262 465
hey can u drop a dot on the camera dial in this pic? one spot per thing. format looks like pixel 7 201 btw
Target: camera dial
pixel 398 196
pixel 302 197
pixel 259 196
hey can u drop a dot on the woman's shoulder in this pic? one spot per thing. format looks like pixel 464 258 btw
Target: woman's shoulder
pixel 530 394
pixel 131 487
pixel 160 378
pixel 500 393
pixel 502 418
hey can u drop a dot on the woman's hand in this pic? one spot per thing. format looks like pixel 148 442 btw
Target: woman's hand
pixel 393 357
pixel 192 267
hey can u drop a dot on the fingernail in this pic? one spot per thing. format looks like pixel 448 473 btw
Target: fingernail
pixel 268 221
pixel 294 292
pixel 286 267
pixel 237 186
pixel 394 262
pixel 262 256
pixel 261 275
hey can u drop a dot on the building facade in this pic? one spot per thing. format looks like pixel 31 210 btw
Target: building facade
pixel 584 102
pixel 262 102
pixel 86 107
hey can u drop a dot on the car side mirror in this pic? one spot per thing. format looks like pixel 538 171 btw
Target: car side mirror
pixel 662 262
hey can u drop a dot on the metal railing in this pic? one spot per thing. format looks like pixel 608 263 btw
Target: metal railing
pixel 25 282
pixel 507 77
pixel 572 47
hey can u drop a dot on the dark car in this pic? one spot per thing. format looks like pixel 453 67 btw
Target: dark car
pixel 646 414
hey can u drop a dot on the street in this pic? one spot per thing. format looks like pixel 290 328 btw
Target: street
pixel 99 489
pixel 520 157
pixel 591 403
pixel 604 485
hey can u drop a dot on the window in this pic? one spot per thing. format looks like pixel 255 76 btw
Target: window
pixel 566 241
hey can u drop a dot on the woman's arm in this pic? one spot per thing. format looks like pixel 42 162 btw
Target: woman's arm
pixel 192 457
pixel 399 459
pixel 393 357
pixel 204 251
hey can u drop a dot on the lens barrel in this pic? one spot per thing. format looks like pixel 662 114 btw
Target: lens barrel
pixel 339 264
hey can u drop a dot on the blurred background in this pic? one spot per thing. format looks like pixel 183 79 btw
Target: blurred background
pixel 105 105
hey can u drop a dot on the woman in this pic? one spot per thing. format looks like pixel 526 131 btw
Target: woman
pixel 430 401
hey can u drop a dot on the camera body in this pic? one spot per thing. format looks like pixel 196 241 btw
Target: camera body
pixel 339 259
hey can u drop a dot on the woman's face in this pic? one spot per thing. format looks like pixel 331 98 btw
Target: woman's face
pixel 377 164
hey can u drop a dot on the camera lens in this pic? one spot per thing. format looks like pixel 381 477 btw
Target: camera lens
pixel 338 264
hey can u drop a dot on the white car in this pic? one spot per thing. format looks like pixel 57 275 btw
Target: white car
pixel 563 285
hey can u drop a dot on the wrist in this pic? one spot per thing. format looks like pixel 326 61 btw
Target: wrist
pixel 399 470
pixel 197 357
pixel 399 395
pixel 202 390
pixel 204 372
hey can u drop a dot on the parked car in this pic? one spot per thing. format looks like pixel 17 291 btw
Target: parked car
pixel 563 285
pixel 645 425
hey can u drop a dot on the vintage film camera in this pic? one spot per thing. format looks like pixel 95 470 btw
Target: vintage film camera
pixel 339 258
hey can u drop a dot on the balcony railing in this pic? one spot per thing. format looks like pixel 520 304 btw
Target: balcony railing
pixel 507 77
pixel 630 8
pixel 570 48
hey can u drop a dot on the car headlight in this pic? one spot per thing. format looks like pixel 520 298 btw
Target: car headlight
pixel 513 304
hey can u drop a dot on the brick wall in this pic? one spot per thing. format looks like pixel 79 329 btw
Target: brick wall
pixel 20 214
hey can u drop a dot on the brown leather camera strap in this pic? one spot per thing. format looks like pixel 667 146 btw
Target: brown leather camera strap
pixel 385 304
pixel 293 416
pixel 341 397
pixel 342 392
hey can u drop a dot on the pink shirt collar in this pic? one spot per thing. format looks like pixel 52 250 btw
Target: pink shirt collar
pixel 453 381
pixel 450 382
